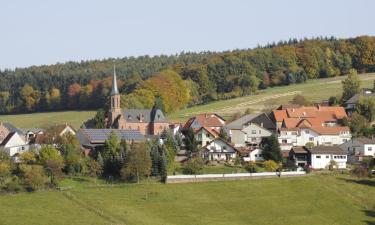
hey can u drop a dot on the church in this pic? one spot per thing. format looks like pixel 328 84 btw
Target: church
pixel 146 121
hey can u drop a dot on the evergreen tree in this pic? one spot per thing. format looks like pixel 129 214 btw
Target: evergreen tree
pixel 155 157
pixel 190 141
pixel 163 167
pixel 271 149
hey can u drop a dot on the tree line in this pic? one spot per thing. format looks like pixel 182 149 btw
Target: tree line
pixel 184 79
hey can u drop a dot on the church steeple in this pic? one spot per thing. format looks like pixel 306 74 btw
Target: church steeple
pixel 114 82
pixel 115 111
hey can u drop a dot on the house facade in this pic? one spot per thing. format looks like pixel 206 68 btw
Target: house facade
pixel 249 130
pixel 321 157
pixel 358 149
pixel 7 128
pixel 14 144
pixel 317 125
pixel 205 135
pixel 219 150
pixel 351 104
pixel 146 121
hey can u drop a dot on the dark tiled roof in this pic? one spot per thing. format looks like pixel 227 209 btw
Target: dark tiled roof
pixel 143 115
pixel 365 140
pixel 327 150
pixel 91 136
pixel 252 118
pixel 356 97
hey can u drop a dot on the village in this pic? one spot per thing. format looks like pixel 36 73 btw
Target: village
pixel 289 138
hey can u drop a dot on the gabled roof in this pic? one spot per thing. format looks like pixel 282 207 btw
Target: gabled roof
pixel 365 140
pixel 33 130
pixel 7 139
pixel 143 115
pixel 209 130
pixel 299 150
pixel 220 139
pixel 206 120
pixel 334 150
pixel 356 97
pixel 259 118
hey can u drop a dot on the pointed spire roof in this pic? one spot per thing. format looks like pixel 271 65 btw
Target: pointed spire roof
pixel 114 83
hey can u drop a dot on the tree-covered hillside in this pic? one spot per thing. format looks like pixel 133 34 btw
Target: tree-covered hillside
pixel 184 79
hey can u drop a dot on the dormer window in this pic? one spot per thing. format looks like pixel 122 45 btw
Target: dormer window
pixel 129 117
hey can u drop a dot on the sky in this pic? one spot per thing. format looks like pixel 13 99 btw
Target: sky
pixel 41 32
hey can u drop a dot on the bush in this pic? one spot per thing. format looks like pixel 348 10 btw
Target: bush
pixel 271 165
pixel 33 176
pixel 193 166
pixel 332 165
pixel 307 169
pixel 360 171
pixel 290 164
pixel 14 185
pixel 251 167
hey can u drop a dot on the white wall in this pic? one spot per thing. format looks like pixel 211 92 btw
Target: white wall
pixel 219 150
pixel 201 136
pixel 323 161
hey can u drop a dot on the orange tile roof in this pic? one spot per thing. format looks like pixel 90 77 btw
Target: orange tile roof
pixel 206 120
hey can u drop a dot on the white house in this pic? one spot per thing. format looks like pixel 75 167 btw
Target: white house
pixel 220 150
pixel 321 156
pixel 300 136
pixel 205 135
pixel 13 144
pixel 359 148
pixel 254 156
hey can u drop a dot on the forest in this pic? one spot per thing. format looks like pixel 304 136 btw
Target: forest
pixel 184 79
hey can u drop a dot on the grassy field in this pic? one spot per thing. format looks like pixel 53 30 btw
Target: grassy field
pixel 44 120
pixel 314 90
pixel 317 199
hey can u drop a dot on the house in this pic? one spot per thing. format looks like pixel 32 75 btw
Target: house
pixel 253 155
pixel 359 148
pixel 14 144
pixel 208 120
pixel 146 121
pixel 318 125
pixel 31 133
pixel 321 156
pixel 7 128
pixel 249 130
pixel 205 135
pixel 92 139
pixel 219 150
pixel 351 104
pixel 53 133
pixel 300 155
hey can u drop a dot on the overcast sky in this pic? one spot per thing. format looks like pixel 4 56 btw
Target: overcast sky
pixel 35 32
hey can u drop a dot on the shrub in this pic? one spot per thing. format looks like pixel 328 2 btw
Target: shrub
pixel 290 164
pixel 307 169
pixel 332 165
pixel 193 166
pixel 14 185
pixel 360 171
pixel 5 172
pixel 251 167
pixel 271 165
pixel 33 176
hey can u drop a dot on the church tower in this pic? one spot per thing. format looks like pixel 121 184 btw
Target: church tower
pixel 115 110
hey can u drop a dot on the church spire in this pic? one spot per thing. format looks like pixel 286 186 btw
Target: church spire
pixel 114 83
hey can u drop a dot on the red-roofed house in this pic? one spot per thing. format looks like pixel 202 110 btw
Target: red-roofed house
pixel 205 135
pixel 208 120
pixel 319 125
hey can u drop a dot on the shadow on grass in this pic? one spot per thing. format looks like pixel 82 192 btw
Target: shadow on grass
pixel 367 182
pixel 371 214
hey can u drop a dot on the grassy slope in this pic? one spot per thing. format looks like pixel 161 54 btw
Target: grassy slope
pixel 319 199
pixel 314 90
pixel 75 118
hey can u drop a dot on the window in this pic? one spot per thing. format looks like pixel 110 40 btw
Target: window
pixel 207 142
pixel 208 135
pixel 335 157
pixel 317 157
pixel 253 132
pixel 307 131
pixel 284 141
pixel 224 147
pixel 256 155
pixel 253 139
pixel 327 156
pixel 260 131
pixel 369 148
pixel 311 139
